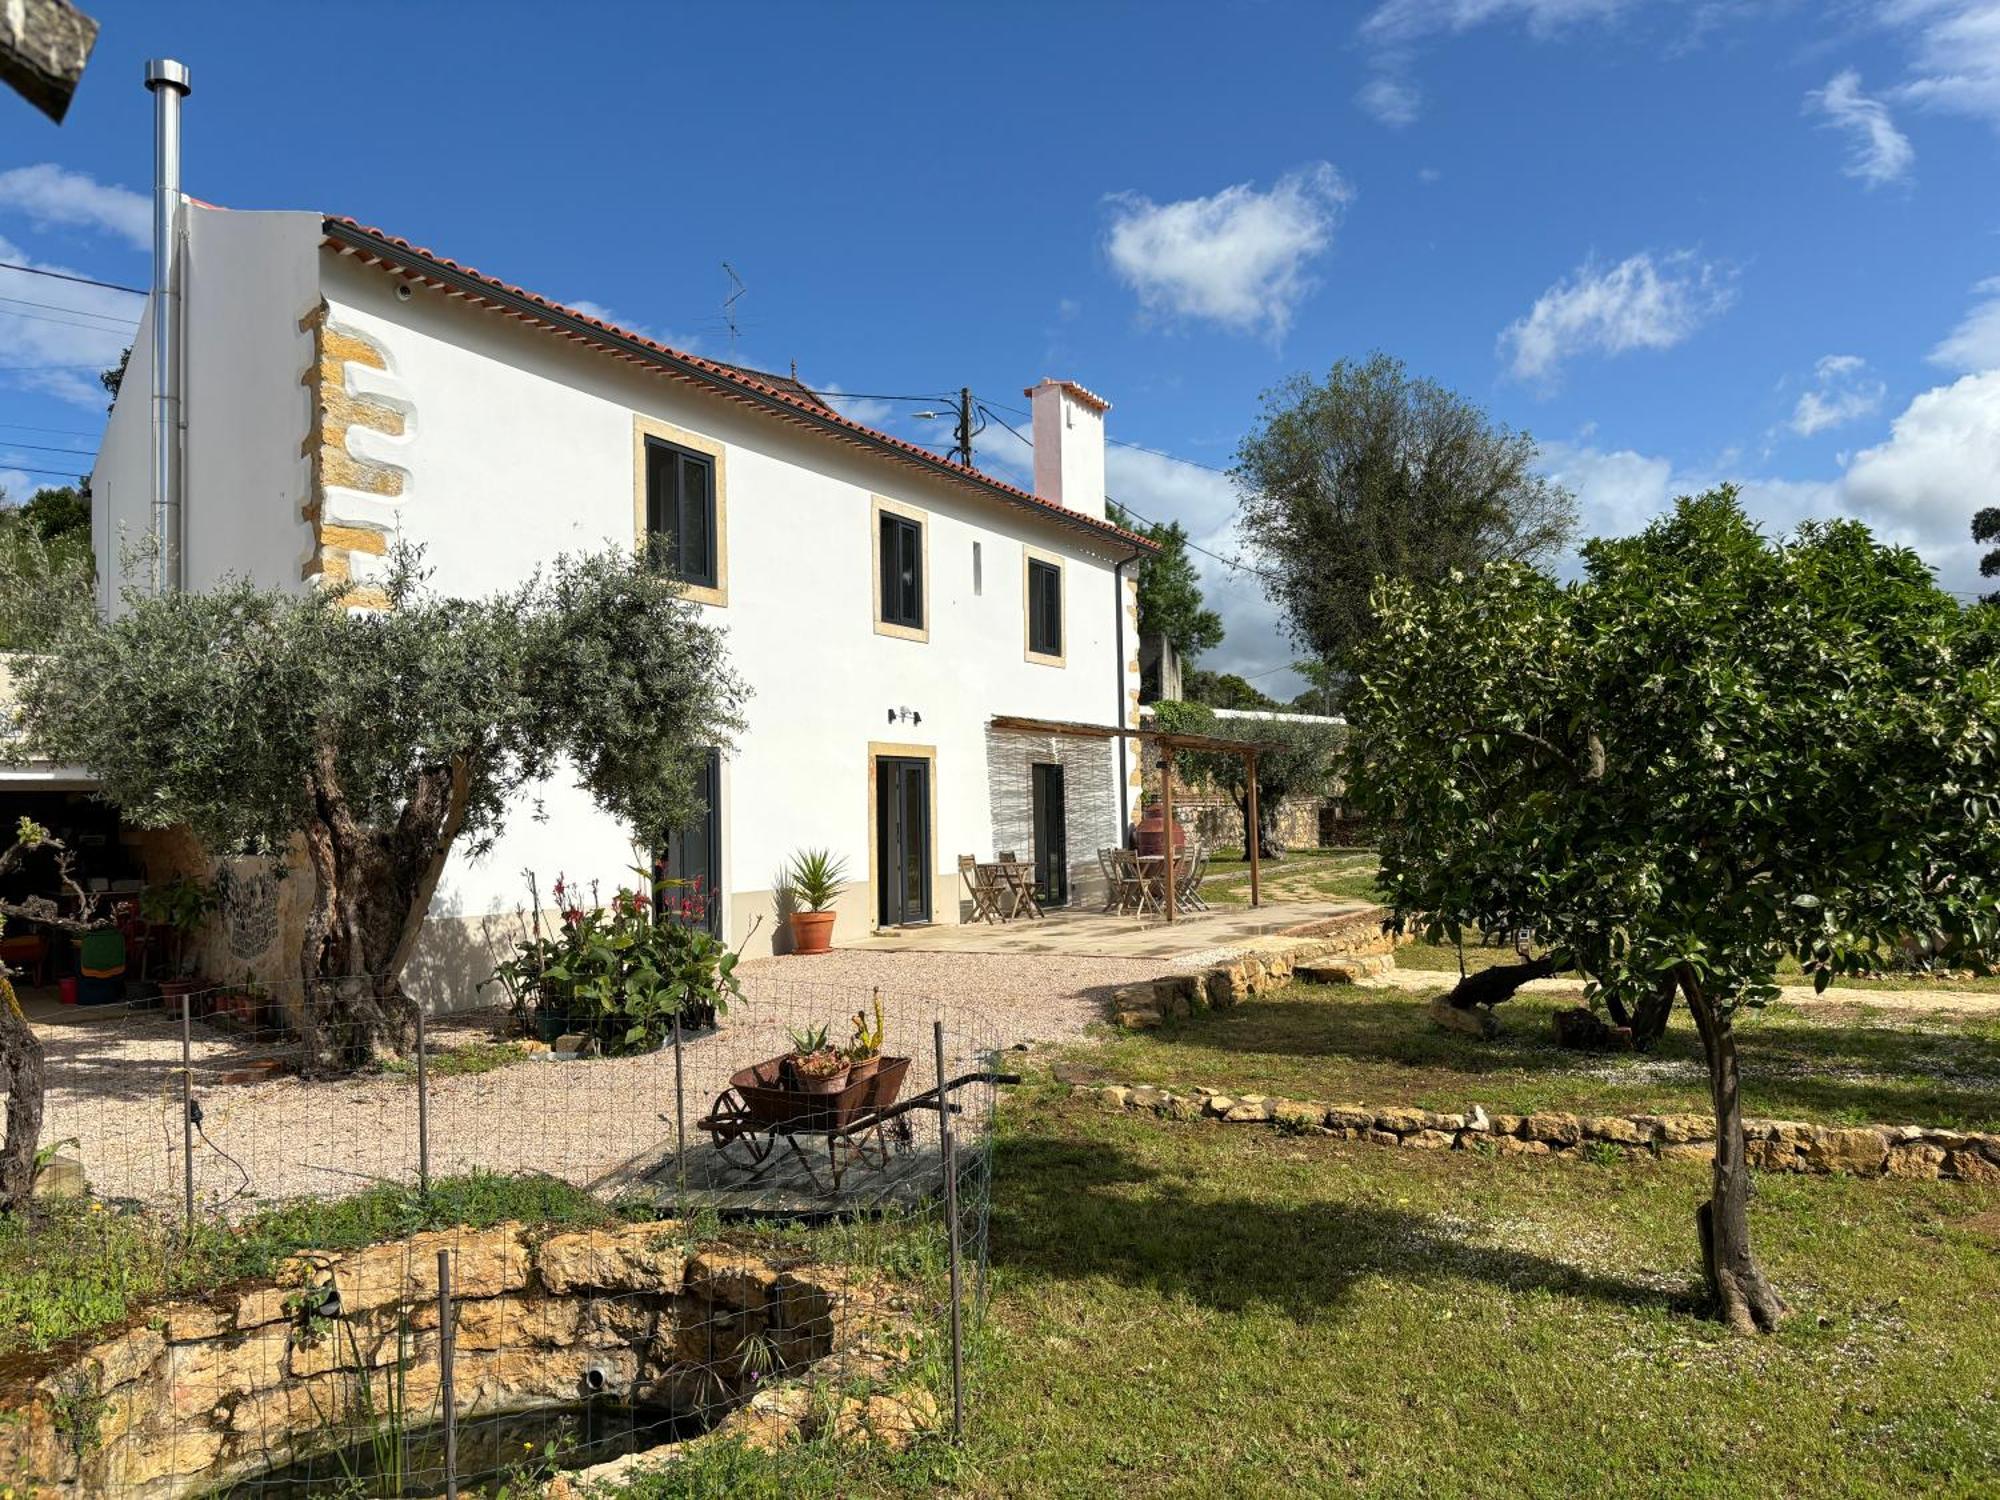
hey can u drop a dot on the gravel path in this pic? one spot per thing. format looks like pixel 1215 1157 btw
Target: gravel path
pixel 114 1084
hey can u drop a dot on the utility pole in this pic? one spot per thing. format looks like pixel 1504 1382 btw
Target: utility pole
pixel 964 433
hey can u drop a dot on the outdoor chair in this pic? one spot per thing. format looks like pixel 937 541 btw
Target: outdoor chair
pixel 1107 862
pixel 1134 884
pixel 1188 878
pixel 982 882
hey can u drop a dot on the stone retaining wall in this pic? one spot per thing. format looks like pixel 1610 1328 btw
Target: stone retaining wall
pixel 1773 1145
pixel 200 1393
pixel 1339 950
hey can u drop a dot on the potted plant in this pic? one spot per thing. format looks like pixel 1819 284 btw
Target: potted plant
pixel 813 1067
pixel 864 1051
pixel 180 906
pixel 815 880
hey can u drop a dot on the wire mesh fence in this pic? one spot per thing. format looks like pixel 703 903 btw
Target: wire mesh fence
pixel 460 1268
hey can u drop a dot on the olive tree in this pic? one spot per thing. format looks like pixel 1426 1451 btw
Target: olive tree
pixel 384 738
pixel 1294 756
pixel 1713 751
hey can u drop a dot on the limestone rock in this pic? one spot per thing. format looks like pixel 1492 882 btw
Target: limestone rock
pixel 1686 1151
pixel 1858 1151
pixel 1218 1106
pixel 1917 1159
pixel 1554 1128
pixel 61 1177
pixel 1476 1021
pixel 630 1258
pixel 731 1278
pixel 1509 1145
pixel 1291 1112
pixel 1429 1140
pixel 1774 1156
pixel 1616 1128
pixel 1251 1108
pixel 1401 1121
pixel 1114 1097
pixel 1969 1165
pixel 1349 1117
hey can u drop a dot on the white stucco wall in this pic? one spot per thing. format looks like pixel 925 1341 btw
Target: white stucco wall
pixel 249 279
pixel 522 446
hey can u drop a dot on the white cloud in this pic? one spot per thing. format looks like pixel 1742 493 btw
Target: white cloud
pixel 53 197
pixel 1238 257
pixel 1390 98
pixel 1938 465
pixel 1640 303
pixel 1878 151
pixel 70 332
pixel 1842 392
pixel 1401 21
pixel 1975 343
pixel 1955 54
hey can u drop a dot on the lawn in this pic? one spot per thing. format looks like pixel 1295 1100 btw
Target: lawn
pixel 1827 1063
pixel 1191 1310
pixel 1302 875
pixel 1443 957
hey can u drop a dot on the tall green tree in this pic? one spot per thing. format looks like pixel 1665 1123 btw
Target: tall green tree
pixel 47 570
pixel 1713 752
pixel 1225 690
pixel 1376 473
pixel 384 739
pixel 1169 589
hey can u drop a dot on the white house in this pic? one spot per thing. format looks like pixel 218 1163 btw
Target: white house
pixel 344 388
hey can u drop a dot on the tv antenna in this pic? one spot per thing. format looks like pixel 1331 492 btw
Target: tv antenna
pixel 737 289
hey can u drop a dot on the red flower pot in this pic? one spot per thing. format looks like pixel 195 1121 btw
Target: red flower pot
pixel 812 931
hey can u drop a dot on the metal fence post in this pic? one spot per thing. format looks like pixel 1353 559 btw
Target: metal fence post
pixel 680 1124
pixel 948 1156
pixel 447 1347
pixel 187 1110
pixel 423 1109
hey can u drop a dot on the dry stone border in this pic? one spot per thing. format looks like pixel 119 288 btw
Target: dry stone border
pixel 1774 1145
pixel 1341 950
pixel 199 1393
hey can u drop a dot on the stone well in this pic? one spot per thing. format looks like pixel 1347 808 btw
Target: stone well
pixel 196 1394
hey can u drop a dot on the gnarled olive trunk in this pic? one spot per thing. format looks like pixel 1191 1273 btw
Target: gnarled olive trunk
pixel 1268 844
pixel 1744 1296
pixel 1649 1019
pixel 1497 983
pixel 374 886
pixel 21 1083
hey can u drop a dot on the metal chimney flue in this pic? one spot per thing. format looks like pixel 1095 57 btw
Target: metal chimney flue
pixel 167 81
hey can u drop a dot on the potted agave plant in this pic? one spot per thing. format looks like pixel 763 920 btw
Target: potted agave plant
pixel 812 1066
pixel 815 878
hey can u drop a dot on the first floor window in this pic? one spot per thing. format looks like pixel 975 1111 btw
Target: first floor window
pixel 1044 608
pixel 902 572
pixel 680 507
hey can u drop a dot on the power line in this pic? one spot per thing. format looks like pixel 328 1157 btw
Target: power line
pixel 56 473
pixel 1192 463
pixel 58 431
pixel 77 312
pixel 1228 562
pixel 109 332
pixel 109 286
pixel 42 448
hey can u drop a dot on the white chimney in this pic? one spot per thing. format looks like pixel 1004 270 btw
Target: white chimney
pixel 1069 445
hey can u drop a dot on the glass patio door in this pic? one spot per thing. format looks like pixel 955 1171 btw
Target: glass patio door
pixel 1051 830
pixel 903 840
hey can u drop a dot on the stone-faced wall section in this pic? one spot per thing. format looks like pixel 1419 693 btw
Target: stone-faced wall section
pixel 200 1393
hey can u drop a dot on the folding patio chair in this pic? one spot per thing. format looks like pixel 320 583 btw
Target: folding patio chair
pixel 985 890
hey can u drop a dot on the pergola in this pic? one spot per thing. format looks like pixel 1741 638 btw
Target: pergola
pixel 1168 743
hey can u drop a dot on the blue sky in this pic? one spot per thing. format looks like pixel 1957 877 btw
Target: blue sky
pixel 1677 241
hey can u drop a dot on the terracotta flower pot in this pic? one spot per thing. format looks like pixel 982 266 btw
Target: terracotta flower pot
pixel 812 931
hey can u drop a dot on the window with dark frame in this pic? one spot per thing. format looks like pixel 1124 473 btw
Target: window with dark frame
pixel 680 506
pixel 1044 608
pixel 902 572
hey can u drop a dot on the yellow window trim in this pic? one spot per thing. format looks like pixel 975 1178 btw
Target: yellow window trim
pixel 666 432
pixel 879 507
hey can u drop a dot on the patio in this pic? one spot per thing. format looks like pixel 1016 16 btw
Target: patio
pixel 1088 933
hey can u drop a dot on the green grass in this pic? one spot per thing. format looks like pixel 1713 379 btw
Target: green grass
pixel 1195 1310
pixel 1831 1064
pixel 1302 875
pixel 76 1265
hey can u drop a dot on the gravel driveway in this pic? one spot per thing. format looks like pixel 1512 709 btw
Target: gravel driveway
pixel 114 1083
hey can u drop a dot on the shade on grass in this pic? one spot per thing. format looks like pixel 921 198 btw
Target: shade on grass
pixel 1824 1063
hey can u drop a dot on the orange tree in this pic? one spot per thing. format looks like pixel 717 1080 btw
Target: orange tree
pixel 1712 751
